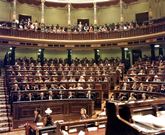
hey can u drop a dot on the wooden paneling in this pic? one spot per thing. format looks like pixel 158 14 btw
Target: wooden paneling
pixel 24 111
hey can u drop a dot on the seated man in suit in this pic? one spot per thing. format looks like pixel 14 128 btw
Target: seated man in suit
pixel 29 97
pixel 17 97
pixel 15 87
pixel 41 96
pixel 51 95
pixel 70 95
pixel 88 95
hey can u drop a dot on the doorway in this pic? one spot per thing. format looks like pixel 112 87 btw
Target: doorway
pixel 83 21
pixel 142 17
pixel 24 18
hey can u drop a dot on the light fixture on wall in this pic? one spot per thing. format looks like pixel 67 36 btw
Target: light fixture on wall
pixel 156 46
pixel 125 49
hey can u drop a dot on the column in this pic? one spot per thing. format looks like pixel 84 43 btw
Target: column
pixel 12 55
pixel 42 11
pixel 121 11
pixel 95 15
pixel 160 51
pixel 69 16
pixel 69 58
pixel 122 55
pixel 14 17
pixel 152 52
pixel 97 55
pixel 41 56
pixel 150 13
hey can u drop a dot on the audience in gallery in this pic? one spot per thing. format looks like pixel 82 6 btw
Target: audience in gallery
pixel 37 26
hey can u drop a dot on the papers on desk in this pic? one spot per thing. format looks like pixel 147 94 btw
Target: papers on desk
pixel 150 120
pixel 144 129
pixel 39 124
pixel 81 133
pixel 45 134
pixel 73 130
pixel 92 129
pixel 101 126
pixel 59 121
pixel 64 132
pixel 161 114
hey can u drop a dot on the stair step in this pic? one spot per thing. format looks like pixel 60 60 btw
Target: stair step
pixel 3 89
pixel 2 99
pixel 2 102
pixel 4 129
pixel 3 119
pixel 2 92
pixel 4 124
pixel 2 95
pixel 3 115
pixel 3 110
pixel 4 106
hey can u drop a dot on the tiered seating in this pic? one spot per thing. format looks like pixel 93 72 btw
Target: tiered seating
pixel 31 82
pixel 26 78
pixel 143 76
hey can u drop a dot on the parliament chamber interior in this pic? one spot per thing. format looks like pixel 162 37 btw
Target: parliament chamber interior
pixel 82 67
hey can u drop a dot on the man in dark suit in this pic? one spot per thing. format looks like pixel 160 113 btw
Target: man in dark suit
pixel 41 96
pixel 17 97
pixel 29 97
pixel 50 96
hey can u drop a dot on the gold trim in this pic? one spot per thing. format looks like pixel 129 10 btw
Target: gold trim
pixel 73 42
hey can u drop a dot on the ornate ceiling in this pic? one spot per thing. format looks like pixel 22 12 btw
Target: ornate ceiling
pixel 75 3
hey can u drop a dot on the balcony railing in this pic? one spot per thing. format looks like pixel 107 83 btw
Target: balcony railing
pixel 150 29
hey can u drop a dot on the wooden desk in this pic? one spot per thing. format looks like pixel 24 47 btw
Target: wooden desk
pixel 98 132
pixel 72 124
pixel 23 111
pixel 83 125
pixel 32 128
pixel 119 117
pixel 96 95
